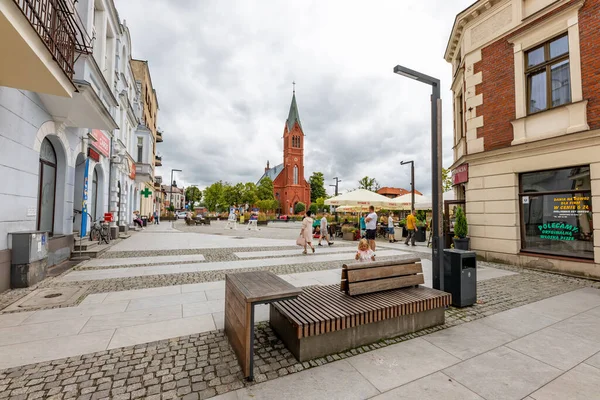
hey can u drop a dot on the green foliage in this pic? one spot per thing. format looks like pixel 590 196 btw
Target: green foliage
pixel 460 226
pixel 265 189
pixel 267 205
pixel 317 186
pixel 171 208
pixel 421 215
pixel 446 180
pixel 212 196
pixel 313 208
pixel 250 194
pixel 193 195
pixel 368 184
pixel 232 194
pixel 300 207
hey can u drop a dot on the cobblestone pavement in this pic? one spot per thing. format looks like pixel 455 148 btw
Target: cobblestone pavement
pixel 203 365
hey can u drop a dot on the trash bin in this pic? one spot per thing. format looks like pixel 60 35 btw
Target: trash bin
pixel 460 276
pixel 144 220
pixel 420 234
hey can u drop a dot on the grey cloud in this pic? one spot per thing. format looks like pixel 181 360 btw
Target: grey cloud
pixel 223 72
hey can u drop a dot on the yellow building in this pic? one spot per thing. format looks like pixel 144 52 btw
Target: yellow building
pixel 147 136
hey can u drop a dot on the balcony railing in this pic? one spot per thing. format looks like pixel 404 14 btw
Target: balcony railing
pixel 159 136
pixel 158 161
pixel 59 26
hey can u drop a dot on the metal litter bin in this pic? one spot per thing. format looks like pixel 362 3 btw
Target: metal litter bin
pixel 460 276
pixel 144 220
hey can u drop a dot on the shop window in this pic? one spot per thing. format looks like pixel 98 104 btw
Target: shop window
pixel 548 75
pixel 556 212
pixel 46 187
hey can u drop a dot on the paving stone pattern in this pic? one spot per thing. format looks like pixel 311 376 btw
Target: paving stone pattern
pixel 201 366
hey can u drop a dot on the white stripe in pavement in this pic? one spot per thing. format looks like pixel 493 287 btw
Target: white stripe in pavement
pixel 113 262
pixel 93 275
pixel 270 253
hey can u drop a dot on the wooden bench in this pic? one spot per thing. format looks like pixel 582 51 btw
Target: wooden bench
pixel 324 320
pixel 369 277
pixel 242 292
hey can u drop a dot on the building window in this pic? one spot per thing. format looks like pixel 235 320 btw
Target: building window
pixel 548 75
pixel 295 174
pixel 556 212
pixel 140 149
pixel 46 187
pixel 460 117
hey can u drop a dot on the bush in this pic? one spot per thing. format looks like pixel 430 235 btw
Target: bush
pixel 461 228
pixel 313 208
pixel 300 207
pixel 262 216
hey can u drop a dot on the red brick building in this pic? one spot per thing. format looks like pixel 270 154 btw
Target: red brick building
pixel 392 192
pixel 526 86
pixel 289 185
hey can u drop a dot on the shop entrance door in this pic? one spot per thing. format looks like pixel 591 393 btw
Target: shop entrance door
pixel 449 218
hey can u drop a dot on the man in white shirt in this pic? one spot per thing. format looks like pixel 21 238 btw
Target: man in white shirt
pixel 391 232
pixel 324 230
pixel 371 222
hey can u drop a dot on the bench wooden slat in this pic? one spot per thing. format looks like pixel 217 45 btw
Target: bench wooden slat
pixel 377 264
pixel 385 284
pixel 331 305
pixel 358 275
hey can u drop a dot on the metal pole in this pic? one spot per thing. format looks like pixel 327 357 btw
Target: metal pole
pixel 337 181
pixel 412 185
pixel 436 184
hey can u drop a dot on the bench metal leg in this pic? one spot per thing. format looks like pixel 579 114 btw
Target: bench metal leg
pixel 251 377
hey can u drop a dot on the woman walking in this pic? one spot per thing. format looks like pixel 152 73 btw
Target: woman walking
pixel 306 231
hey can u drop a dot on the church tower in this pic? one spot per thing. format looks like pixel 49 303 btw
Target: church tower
pixel 289 185
pixel 293 146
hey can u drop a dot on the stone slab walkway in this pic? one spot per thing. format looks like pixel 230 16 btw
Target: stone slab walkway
pixel 117 319
pixel 90 275
pixel 545 350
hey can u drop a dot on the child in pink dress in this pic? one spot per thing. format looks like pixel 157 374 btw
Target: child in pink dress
pixel 364 252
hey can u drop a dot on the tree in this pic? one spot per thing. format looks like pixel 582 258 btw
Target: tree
pixel 193 195
pixel 317 186
pixel 368 184
pixel 320 202
pixel 212 195
pixel 250 194
pixel 265 189
pixel 232 194
pixel 446 180
pixel 313 208
pixel 300 206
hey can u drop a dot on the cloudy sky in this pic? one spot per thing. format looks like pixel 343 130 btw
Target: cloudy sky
pixel 223 71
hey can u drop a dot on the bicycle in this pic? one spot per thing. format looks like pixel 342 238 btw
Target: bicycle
pixel 100 231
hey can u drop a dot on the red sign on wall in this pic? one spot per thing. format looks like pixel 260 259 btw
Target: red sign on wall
pixel 93 154
pixel 101 142
pixel 108 217
pixel 460 174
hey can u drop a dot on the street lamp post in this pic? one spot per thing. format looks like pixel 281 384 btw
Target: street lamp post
pixel 436 173
pixel 412 183
pixel 337 182
pixel 171 187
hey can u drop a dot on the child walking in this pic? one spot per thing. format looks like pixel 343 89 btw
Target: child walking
pixel 364 252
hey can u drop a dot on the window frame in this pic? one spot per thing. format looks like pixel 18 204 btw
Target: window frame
pixel 521 216
pixel 40 187
pixel 546 67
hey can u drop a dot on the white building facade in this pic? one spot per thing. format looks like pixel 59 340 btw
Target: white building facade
pixel 67 123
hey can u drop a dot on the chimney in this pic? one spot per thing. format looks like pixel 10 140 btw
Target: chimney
pixel 266 169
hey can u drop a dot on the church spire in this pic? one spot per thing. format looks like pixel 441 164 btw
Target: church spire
pixel 293 116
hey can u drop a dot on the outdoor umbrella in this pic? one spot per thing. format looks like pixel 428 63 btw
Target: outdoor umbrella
pixel 362 198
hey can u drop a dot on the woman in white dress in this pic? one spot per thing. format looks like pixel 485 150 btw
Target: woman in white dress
pixel 306 231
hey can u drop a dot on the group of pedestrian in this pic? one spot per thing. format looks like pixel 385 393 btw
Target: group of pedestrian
pixel 306 235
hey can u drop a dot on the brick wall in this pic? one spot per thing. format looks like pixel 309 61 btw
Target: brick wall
pixel 497 67
pixel 498 88
pixel 589 35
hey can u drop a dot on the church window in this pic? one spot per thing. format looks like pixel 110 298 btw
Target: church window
pixel 295 174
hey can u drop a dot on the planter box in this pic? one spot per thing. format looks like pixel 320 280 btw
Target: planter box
pixel 348 236
pixel 421 234
pixel 262 223
pixel 461 244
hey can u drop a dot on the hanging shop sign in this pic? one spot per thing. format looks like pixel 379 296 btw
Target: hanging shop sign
pixel 460 174
pixel 101 142
pixel 93 154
